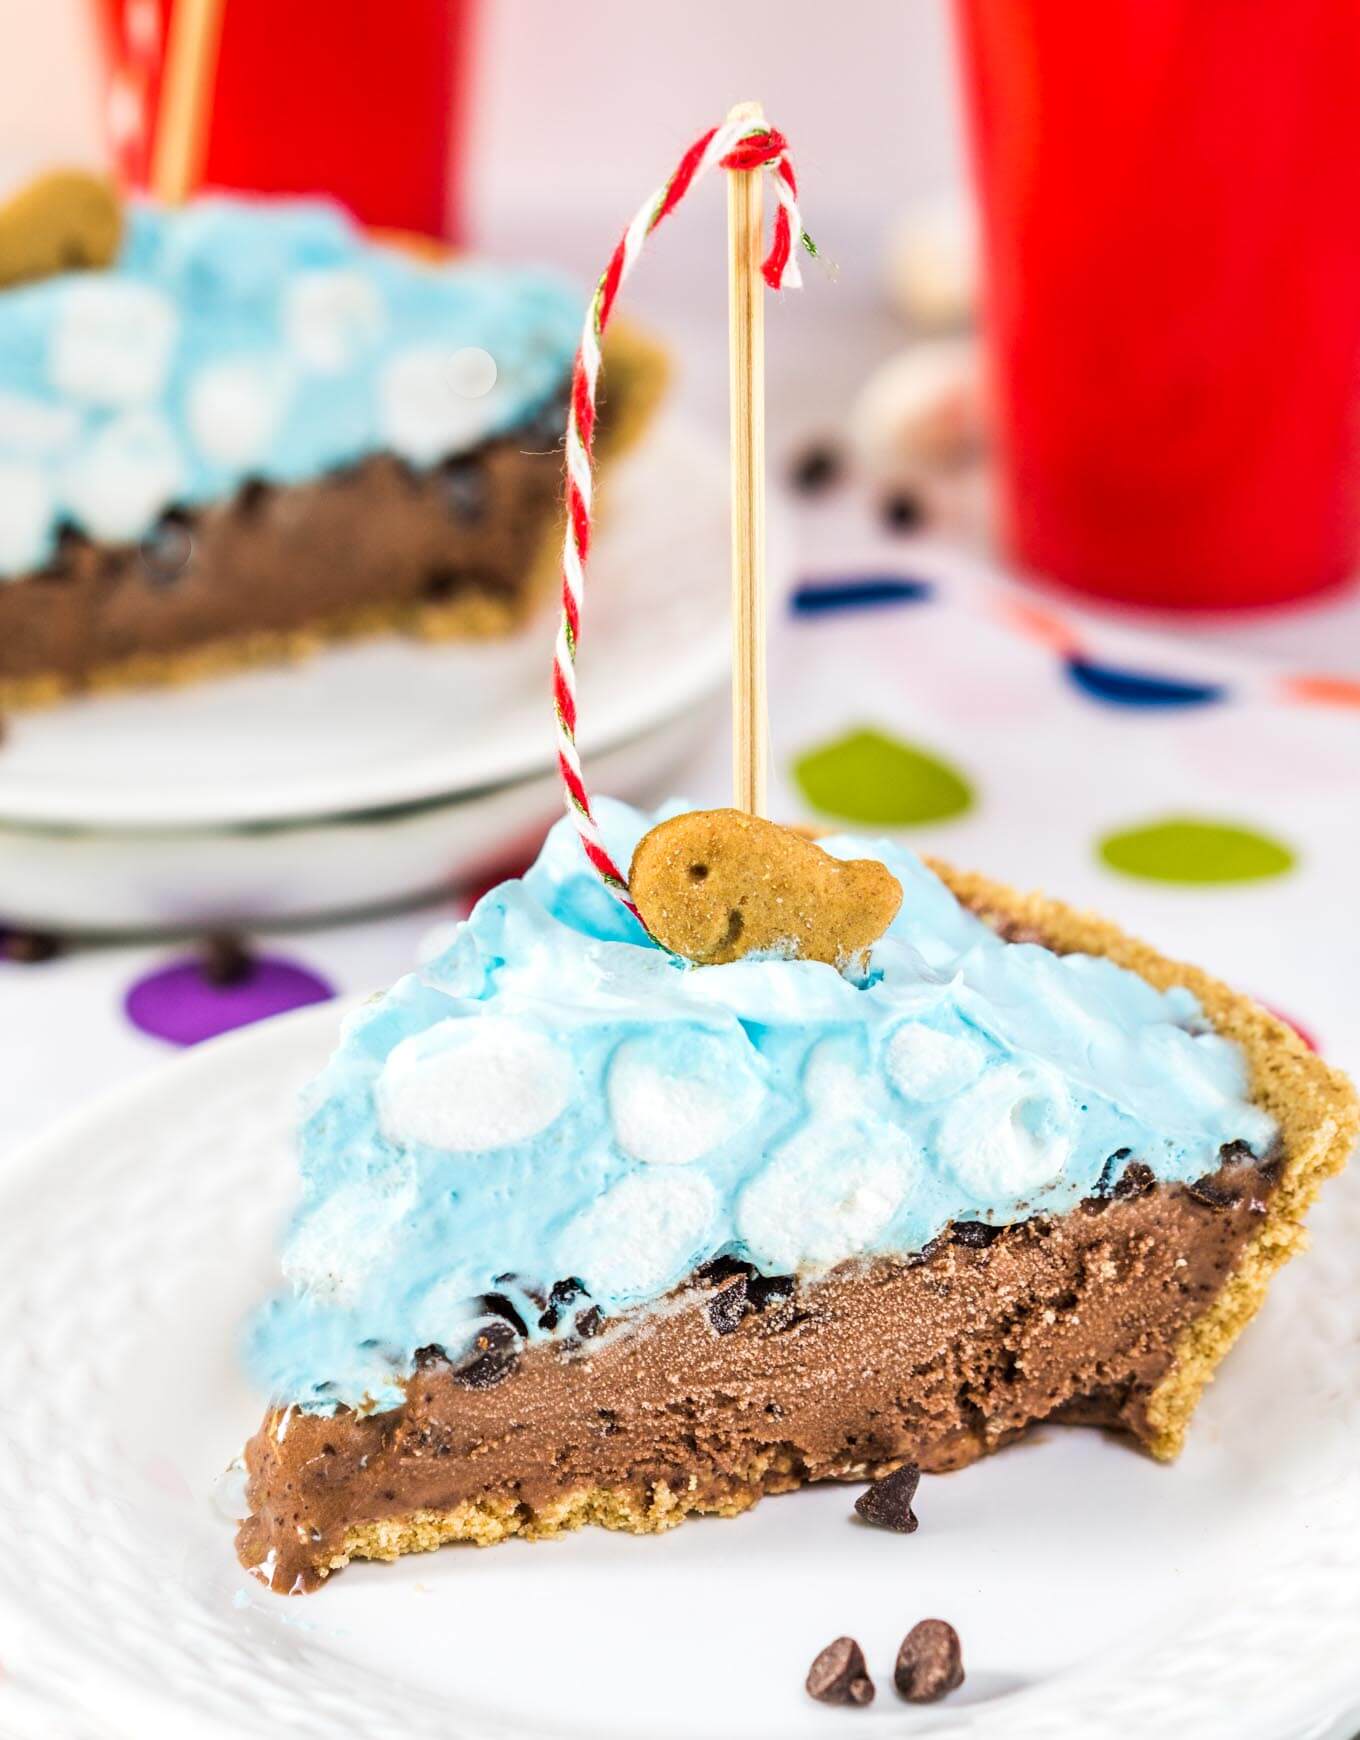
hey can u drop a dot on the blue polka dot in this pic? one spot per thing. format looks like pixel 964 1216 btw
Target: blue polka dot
pixel 858 592
pixel 1118 686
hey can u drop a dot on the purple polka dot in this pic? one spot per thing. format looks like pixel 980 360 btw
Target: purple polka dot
pixel 179 1004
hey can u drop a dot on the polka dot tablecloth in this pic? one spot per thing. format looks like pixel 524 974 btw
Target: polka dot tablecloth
pixel 1208 804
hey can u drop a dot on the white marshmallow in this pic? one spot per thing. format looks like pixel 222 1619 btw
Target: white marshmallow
pixel 111 342
pixel 338 1244
pixel 826 1195
pixel 834 1081
pixel 1010 1134
pixel 921 410
pixel 118 483
pixel 423 413
pixel 642 1236
pixel 445 1313
pixel 924 1064
pixel 233 410
pixel 932 264
pixel 330 316
pixel 33 427
pixel 471 1084
pixel 670 1118
pixel 25 516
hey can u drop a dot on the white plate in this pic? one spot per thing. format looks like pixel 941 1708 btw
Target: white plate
pixel 396 721
pixel 1098 1595
pixel 189 879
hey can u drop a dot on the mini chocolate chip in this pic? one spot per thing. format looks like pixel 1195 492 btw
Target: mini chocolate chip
pixel 560 1295
pixel 29 948
pixel 723 1268
pixel 840 1675
pixel 463 485
pixel 499 1306
pixel 225 960
pixel 902 511
pixel 1229 1187
pixel 728 1306
pixel 763 1290
pixel 929 1250
pixel 251 496
pixel 443 583
pixel 546 428
pixel 816 468
pixel 1239 1151
pixel 976 1235
pixel 495 1352
pixel 888 1501
pixel 929 1663
pixel 1109 1171
pixel 589 1322
pixel 167 550
pixel 69 545
pixel 1136 1180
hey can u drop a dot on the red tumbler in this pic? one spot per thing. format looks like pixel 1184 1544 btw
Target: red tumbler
pixel 1170 195
pixel 364 101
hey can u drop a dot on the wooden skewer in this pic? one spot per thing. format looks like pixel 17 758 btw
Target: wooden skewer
pixel 746 351
pixel 186 98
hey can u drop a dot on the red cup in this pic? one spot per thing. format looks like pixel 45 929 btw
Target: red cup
pixel 364 102
pixel 1170 194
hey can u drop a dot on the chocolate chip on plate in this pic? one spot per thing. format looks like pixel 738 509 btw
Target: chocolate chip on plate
pixel 903 511
pixel 225 960
pixel 888 1501
pixel 816 467
pixel 929 1663
pixel 840 1675
pixel 29 947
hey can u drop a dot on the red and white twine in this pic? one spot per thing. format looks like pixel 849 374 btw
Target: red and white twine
pixel 736 145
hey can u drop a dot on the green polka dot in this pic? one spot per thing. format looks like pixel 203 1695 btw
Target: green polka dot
pixel 1181 849
pixel 868 777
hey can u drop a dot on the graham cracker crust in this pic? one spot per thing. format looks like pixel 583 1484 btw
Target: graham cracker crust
pixel 1314 1105
pixel 649 1510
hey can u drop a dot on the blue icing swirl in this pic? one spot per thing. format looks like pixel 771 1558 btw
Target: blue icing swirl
pixel 557 1097
pixel 246 338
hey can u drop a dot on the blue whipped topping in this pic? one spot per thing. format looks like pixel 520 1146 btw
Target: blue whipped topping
pixel 555 1096
pixel 247 338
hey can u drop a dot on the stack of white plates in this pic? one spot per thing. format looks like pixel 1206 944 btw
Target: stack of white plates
pixel 383 770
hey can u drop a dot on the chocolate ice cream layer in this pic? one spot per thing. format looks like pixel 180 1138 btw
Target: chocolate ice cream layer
pixel 739 1384
pixel 451 548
